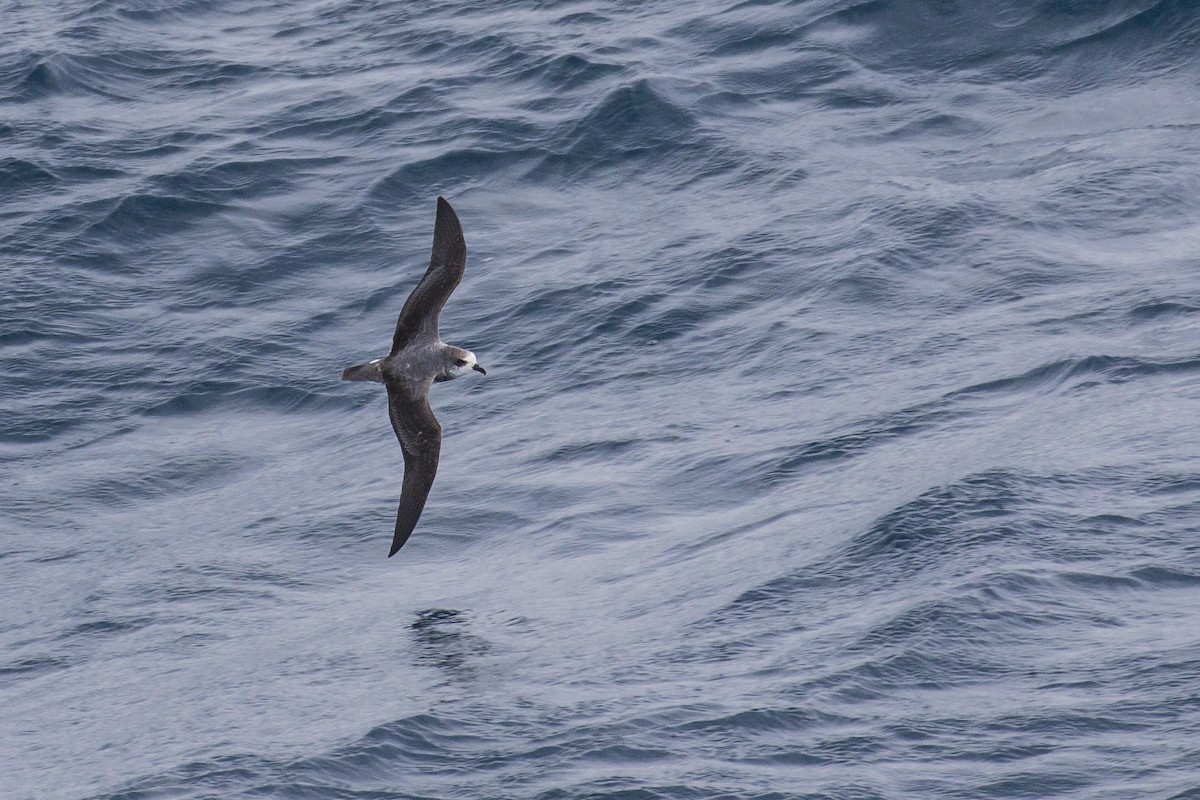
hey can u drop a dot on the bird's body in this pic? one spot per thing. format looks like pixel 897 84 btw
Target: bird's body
pixel 419 358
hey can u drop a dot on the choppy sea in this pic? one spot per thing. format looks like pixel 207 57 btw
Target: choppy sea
pixel 840 437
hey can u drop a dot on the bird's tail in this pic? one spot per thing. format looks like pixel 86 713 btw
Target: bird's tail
pixel 363 372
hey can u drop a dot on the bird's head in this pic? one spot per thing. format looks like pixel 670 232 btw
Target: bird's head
pixel 462 362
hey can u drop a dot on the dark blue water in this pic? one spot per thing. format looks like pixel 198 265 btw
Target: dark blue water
pixel 839 437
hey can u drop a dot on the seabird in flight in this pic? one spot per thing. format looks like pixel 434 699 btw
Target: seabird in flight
pixel 419 359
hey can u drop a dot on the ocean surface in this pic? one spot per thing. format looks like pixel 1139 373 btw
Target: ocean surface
pixel 840 436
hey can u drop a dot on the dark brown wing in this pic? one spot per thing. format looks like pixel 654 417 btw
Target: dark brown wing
pixel 420 438
pixel 424 306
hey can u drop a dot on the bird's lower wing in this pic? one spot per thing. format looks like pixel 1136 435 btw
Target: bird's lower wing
pixel 420 438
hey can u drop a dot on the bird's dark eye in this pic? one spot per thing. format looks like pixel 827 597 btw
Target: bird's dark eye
pixel 460 362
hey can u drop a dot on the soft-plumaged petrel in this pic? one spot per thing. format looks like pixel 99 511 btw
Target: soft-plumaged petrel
pixel 418 359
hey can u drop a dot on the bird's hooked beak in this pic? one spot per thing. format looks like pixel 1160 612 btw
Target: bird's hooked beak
pixel 478 368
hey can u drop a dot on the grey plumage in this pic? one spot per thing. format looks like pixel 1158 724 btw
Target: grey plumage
pixel 418 359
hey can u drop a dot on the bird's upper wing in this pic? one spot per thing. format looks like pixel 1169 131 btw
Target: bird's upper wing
pixel 420 438
pixel 424 306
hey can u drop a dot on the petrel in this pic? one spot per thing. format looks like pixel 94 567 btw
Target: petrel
pixel 419 359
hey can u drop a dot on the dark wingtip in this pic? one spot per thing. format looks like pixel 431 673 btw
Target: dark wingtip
pixel 401 536
pixel 397 543
pixel 445 210
pixel 449 246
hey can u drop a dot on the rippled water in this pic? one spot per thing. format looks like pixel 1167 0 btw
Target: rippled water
pixel 838 439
